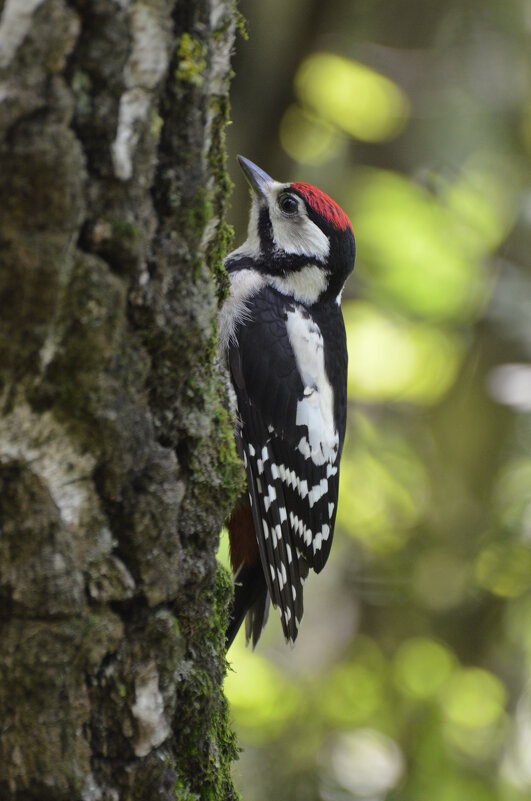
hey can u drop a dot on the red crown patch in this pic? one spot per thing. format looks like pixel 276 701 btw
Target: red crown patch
pixel 323 205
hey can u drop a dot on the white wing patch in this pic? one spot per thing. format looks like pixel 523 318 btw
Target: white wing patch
pixel 316 409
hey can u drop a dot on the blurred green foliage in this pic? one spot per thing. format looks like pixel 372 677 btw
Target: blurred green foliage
pixel 410 678
pixel 352 97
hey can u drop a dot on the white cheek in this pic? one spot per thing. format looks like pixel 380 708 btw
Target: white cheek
pixel 300 237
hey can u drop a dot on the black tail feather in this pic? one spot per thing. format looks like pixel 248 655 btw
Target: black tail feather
pixel 257 618
pixel 250 598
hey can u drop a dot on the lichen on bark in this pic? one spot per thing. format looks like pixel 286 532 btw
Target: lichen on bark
pixel 117 461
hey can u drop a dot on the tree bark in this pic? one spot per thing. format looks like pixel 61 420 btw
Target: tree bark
pixel 117 461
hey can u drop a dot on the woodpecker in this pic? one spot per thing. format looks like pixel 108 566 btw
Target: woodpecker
pixel 282 336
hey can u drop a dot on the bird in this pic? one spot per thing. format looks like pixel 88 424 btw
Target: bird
pixel 283 341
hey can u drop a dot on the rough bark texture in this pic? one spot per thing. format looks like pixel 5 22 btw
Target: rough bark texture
pixel 117 461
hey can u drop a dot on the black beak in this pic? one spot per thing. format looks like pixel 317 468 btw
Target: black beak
pixel 258 179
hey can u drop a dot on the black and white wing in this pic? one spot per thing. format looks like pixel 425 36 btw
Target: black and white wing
pixel 291 402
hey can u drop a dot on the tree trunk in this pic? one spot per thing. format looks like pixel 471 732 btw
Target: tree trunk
pixel 117 462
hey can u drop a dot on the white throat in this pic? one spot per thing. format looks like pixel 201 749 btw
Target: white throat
pixel 305 285
pixel 243 285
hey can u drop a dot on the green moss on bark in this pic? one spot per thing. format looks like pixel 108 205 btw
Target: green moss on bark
pixel 192 60
pixel 208 738
pixel 122 463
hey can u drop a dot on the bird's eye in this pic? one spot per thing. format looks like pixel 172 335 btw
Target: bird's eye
pixel 288 204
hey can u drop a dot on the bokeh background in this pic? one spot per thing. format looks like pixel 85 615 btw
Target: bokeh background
pixel 410 680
